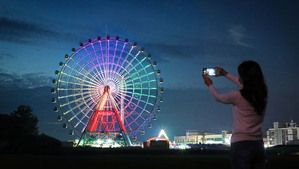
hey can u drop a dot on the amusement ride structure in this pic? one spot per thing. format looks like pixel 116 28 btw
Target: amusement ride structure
pixel 108 91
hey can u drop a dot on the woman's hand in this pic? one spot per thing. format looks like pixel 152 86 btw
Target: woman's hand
pixel 207 80
pixel 221 72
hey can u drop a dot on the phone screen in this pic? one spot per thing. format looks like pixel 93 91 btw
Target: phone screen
pixel 210 71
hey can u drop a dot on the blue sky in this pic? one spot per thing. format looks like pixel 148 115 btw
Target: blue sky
pixel 183 36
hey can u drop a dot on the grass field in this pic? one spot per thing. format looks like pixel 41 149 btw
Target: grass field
pixel 133 158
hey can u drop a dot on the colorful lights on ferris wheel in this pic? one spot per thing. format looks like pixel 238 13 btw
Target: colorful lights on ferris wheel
pixel 71 79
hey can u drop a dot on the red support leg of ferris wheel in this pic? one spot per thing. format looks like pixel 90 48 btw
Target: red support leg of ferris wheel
pixel 97 117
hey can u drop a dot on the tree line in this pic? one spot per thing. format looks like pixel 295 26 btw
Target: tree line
pixel 19 133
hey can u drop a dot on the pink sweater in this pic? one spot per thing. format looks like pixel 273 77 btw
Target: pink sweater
pixel 247 123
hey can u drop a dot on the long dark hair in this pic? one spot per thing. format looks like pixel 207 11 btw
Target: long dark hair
pixel 254 87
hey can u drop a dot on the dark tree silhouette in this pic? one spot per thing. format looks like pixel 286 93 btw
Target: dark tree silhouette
pixel 19 132
pixel 26 122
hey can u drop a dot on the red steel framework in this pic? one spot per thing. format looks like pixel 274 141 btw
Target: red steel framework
pixel 103 120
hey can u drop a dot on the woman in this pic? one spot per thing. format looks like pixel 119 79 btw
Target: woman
pixel 249 105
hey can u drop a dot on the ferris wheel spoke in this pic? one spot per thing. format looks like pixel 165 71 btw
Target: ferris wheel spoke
pixel 103 61
pixel 113 58
pixel 141 94
pixel 84 75
pixel 80 112
pixel 126 122
pixel 120 56
pixel 137 71
pixel 136 99
pixel 73 101
pixel 75 94
pixel 78 84
pixel 142 88
pixel 81 109
pixel 93 72
pixel 130 63
pixel 73 108
pixel 70 102
pixel 98 73
pixel 134 78
pixel 134 119
pixel 142 82
pixel 107 57
pixel 75 89
pixel 124 60
pixel 69 96
pixel 89 106
pixel 136 74
pixel 79 79
pixel 128 106
pixel 135 105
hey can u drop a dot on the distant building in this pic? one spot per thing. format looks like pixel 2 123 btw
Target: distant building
pixel 193 137
pixel 283 134
pixel 160 142
pixel 157 142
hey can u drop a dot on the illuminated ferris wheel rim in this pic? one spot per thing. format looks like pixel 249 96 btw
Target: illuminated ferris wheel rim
pixel 114 71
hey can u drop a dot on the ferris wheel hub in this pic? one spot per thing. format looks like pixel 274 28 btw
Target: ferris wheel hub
pixel 107 88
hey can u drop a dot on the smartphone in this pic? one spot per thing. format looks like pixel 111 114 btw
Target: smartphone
pixel 210 71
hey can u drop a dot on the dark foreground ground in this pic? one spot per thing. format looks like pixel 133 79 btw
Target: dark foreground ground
pixel 88 158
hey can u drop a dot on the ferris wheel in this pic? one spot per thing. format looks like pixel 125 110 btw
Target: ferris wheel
pixel 107 89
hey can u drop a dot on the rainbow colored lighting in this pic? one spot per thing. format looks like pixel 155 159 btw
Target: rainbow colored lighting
pixel 106 88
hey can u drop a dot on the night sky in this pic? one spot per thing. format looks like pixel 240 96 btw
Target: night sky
pixel 183 36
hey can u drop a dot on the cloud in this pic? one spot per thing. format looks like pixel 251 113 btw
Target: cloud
pixel 19 31
pixel 13 30
pixel 4 55
pixel 177 51
pixel 200 49
pixel 26 81
pixel 237 32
